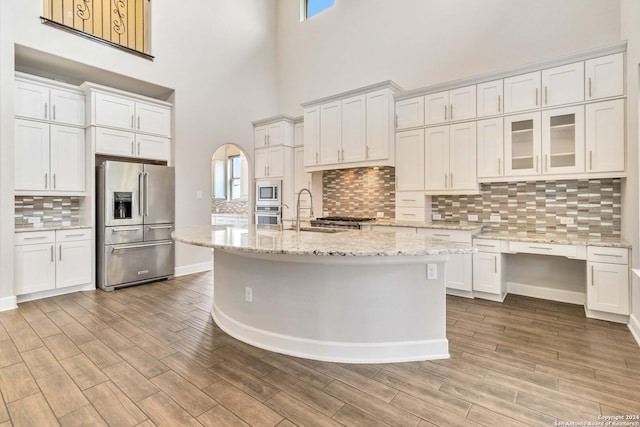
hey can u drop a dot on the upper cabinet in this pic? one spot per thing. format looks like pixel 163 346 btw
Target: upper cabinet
pixel 273 134
pixel 452 105
pixel 605 148
pixel 128 125
pixel 39 101
pixel 274 139
pixel 490 96
pixel 522 92
pixel 409 113
pixel 563 85
pixel 354 129
pixel 604 76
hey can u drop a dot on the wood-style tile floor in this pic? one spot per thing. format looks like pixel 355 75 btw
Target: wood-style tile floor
pixel 151 355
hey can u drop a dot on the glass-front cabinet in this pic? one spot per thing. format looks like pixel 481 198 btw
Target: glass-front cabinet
pixel 563 140
pixel 522 144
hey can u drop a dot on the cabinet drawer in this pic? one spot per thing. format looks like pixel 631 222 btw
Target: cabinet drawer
pixel 493 246
pixel 73 235
pixel 609 255
pixel 458 236
pixel 34 237
pixel 410 199
pixel 569 251
pixel 410 214
pixel 393 229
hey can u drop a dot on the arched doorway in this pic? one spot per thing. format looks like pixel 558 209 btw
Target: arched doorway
pixel 230 187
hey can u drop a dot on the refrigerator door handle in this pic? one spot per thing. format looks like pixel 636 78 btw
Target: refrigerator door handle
pixel 140 190
pixel 146 193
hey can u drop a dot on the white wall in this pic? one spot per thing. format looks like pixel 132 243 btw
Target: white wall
pixel 418 43
pixel 630 12
pixel 218 55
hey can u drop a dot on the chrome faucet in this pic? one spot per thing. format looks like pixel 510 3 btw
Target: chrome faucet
pixel 298 207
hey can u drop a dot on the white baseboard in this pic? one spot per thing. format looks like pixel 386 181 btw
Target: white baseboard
pixel 460 293
pixel 193 268
pixel 55 292
pixel 634 327
pixel 8 303
pixel 559 295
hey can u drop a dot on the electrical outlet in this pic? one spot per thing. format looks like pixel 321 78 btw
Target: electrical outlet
pixel 432 271
pixel 379 214
pixel 436 217
pixel 565 220
pixel 472 217
pixel 248 294
pixel 494 217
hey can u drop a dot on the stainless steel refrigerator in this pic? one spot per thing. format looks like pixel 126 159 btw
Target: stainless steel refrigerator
pixel 135 218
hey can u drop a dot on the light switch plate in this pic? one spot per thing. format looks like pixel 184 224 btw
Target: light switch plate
pixel 565 220
pixel 432 271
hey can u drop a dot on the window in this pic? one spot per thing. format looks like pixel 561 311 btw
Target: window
pixel 309 8
pixel 120 23
pixel 235 176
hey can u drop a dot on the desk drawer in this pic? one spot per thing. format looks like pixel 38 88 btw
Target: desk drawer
pixel 410 214
pixel 569 251
pixel 492 246
pixel 608 255
pixel 458 236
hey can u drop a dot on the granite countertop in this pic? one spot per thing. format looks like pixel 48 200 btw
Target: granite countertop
pixel 50 228
pixel 441 225
pixel 563 239
pixel 342 243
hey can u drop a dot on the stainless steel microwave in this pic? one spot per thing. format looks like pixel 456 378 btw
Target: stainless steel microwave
pixel 268 193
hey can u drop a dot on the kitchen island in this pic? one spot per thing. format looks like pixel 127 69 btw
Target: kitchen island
pixel 345 296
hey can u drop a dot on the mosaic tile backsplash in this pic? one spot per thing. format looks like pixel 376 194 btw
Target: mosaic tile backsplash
pixel 240 207
pixel 34 211
pixel 361 192
pixel 536 207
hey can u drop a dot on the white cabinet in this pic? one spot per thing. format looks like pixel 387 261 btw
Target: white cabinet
pixel 563 85
pixel 563 140
pixel 456 104
pixel 312 136
pixel 605 136
pixel 353 140
pixel 126 113
pixel 114 142
pixel 489 98
pixel 410 113
pixel 604 76
pixel 522 144
pixel 302 179
pixel 298 134
pixel 522 92
pixel 40 101
pixel 450 159
pixel 269 162
pixel 52 259
pixel 378 131
pixel 153 119
pixel 608 280
pixel 410 206
pixel 272 134
pixel 490 152
pixel 488 270
pixel 410 160
pixel 49 158
pixel 330 132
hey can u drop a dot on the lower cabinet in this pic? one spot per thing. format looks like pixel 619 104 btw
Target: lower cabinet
pixel 46 260
pixel 488 268
pixel 608 280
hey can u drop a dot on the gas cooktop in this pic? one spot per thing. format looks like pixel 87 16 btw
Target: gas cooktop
pixel 339 221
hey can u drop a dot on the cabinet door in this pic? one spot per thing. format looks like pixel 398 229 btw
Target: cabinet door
pixel 115 142
pixel 410 160
pixel 436 152
pixel 312 136
pixel 522 92
pixel 378 125
pixel 605 136
pixel 34 268
pixel 153 119
pixel 608 287
pixel 301 178
pixel 298 134
pixel 67 158
pixel 522 144
pixel 489 98
pixel 67 107
pixel 114 111
pixel 436 108
pixel 262 162
pixel 354 129
pixel 490 136
pixel 462 103
pixel 31 155
pixel 31 100
pixel 563 140
pixel 563 85
pixel 260 134
pixel 152 147
pixel 275 165
pixel 604 76
pixel 73 265
pixel 330 133
pixel 459 273
pixel 462 157
pixel 275 133
pixel 410 113
pixel 486 272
